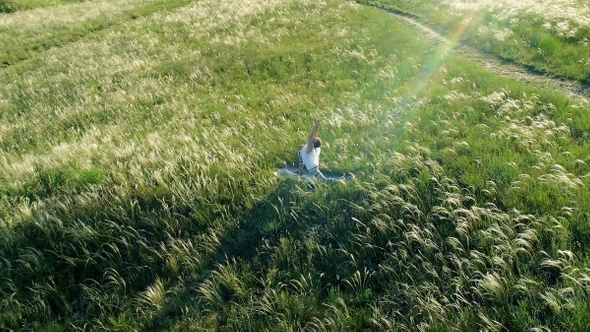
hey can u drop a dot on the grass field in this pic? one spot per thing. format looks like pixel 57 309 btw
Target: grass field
pixel 551 37
pixel 138 143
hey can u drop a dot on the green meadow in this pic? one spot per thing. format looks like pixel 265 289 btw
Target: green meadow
pixel 139 141
pixel 546 36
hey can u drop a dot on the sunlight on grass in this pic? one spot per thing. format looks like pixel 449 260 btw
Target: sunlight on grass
pixel 547 36
pixel 137 187
pixel 575 11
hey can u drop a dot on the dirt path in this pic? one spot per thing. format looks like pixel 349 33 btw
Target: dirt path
pixel 495 65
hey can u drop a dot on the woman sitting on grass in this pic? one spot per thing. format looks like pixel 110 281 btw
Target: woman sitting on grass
pixel 309 156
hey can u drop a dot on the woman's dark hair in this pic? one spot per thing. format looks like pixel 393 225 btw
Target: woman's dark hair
pixel 317 143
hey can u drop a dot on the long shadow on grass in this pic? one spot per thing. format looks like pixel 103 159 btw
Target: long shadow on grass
pixel 242 247
pixel 284 213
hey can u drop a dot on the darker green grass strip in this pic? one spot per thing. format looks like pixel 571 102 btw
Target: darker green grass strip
pixel 19 51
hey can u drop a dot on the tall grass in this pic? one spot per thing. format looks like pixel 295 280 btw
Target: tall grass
pixel 138 189
pixel 35 26
pixel 550 37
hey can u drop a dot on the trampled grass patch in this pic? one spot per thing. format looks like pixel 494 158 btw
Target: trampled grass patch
pixel 138 191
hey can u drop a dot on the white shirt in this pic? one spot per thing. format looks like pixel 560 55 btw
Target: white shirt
pixel 311 159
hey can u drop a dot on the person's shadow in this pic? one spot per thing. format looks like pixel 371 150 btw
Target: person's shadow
pixel 267 222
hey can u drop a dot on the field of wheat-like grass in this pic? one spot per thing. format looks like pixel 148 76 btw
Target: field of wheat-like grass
pixel 139 141
pixel 550 37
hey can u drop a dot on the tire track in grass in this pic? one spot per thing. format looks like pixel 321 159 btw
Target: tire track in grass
pixel 494 64
pixel 24 50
